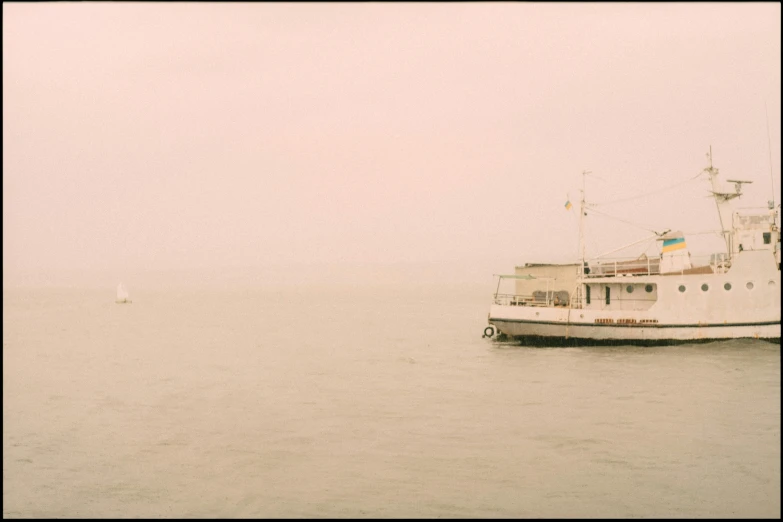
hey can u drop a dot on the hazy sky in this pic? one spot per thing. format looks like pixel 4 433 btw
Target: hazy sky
pixel 207 137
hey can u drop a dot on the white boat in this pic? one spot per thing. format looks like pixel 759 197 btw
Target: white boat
pixel 122 295
pixel 666 299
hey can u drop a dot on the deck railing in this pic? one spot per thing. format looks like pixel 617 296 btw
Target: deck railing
pixel 717 263
pixel 553 301
pixel 547 299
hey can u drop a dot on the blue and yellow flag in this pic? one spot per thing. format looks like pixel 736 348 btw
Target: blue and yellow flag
pixel 670 245
pixel 568 205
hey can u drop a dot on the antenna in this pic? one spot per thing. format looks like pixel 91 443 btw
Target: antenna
pixel 769 150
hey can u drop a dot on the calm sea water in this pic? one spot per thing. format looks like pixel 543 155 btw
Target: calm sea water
pixel 367 402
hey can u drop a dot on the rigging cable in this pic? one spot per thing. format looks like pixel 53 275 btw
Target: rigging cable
pixel 716 232
pixel 638 196
pixel 769 150
pixel 622 220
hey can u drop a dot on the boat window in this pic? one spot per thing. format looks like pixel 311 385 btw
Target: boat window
pixel 607 295
pixel 588 293
pixel 682 288
pixel 629 289
pixel 749 286
pixel 727 286
pixel 767 238
pixel 705 287
pixel 771 283
pixel 648 288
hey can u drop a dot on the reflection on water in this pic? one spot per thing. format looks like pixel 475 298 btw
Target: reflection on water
pixel 356 403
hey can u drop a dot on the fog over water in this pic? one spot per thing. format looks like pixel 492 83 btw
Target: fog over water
pixel 368 402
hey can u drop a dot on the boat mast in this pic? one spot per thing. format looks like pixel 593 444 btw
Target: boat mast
pixel 722 202
pixel 719 198
pixel 581 225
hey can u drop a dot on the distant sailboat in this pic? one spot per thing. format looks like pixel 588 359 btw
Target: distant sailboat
pixel 122 294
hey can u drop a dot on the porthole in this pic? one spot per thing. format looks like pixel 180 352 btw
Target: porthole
pixel 682 288
pixel 727 286
pixel 648 288
pixel 629 289
pixel 705 287
pixel 749 286
pixel 771 283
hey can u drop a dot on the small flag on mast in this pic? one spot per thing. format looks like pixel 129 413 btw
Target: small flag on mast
pixel 568 205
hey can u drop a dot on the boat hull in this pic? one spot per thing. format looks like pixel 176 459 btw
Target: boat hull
pixel 576 334
pixel 742 303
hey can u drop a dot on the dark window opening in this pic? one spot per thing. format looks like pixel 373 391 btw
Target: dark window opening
pixel 607 295
pixel 587 295
pixel 767 238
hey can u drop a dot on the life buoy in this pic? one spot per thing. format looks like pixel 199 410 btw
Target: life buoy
pixel 489 331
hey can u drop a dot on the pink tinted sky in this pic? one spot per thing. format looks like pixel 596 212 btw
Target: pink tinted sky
pixel 144 137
